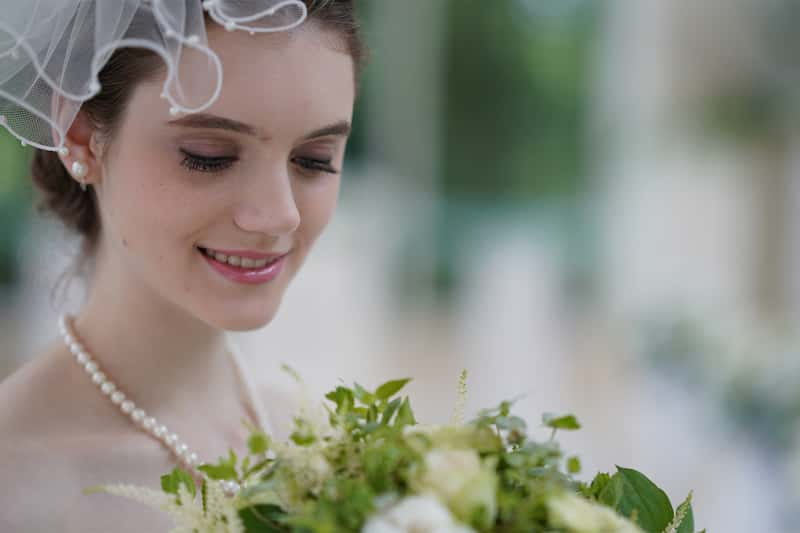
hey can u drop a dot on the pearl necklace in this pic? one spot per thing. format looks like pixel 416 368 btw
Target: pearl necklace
pixel 188 459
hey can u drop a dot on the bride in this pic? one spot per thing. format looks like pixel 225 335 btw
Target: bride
pixel 197 202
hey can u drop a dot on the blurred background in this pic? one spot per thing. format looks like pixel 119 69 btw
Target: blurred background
pixel 591 204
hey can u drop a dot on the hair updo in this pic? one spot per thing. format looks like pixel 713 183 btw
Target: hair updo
pixel 61 195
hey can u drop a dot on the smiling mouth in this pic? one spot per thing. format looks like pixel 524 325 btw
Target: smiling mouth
pixel 243 263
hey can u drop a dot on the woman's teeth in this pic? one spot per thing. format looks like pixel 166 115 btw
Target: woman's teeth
pixel 235 260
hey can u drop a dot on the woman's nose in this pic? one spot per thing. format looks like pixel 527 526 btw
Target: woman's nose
pixel 269 207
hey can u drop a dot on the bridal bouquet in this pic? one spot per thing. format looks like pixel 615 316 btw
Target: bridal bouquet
pixel 362 464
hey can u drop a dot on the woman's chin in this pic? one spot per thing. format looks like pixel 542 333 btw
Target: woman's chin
pixel 243 320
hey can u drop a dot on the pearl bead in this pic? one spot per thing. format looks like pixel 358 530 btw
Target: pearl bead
pixel 138 415
pixel 193 39
pixel 174 111
pixel 63 152
pixel 94 86
pixel 79 169
pixel 230 25
pixel 208 4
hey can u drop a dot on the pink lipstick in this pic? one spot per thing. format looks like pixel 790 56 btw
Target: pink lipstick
pixel 228 264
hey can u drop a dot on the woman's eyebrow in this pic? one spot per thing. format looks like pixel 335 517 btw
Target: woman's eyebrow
pixel 337 128
pixel 209 121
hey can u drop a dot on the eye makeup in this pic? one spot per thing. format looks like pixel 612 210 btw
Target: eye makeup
pixel 202 163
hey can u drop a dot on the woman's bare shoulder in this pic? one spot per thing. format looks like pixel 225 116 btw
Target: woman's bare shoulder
pixel 25 392
pixel 45 396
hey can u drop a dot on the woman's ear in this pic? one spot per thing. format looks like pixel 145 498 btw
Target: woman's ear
pixel 83 156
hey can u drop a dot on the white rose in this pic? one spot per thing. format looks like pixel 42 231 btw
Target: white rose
pixel 447 471
pixel 579 515
pixel 415 514
pixel 461 480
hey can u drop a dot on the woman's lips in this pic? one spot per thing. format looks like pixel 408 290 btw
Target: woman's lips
pixel 247 275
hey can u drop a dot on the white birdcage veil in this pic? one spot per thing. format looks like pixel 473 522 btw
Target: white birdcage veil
pixel 52 50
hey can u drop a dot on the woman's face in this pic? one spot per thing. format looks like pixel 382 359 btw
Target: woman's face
pixel 258 173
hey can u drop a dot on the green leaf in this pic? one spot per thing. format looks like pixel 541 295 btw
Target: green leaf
pixel 637 497
pixel 258 443
pixel 568 422
pixel 573 465
pixel 170 482
pixel 363 395
pixel 220 471
pixel 390 410
pixel 405 416
pixel 598 484
pixel 343 398
pixel 390 388
pixel 372 413
pixel 263 518
pixel 685 515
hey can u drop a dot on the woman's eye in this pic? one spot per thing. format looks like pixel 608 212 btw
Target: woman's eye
pixel 200 163
pixel 315 165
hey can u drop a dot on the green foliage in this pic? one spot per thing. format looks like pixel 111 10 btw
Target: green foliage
pixel 490 473
pixel 178 476
pixel 258 443
pixel 225 469
pixel 633 495
pixel 560 422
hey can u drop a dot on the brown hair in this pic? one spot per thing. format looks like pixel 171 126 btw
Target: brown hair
pixel 60 194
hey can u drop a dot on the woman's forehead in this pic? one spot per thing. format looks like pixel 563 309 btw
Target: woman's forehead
pixel 278 81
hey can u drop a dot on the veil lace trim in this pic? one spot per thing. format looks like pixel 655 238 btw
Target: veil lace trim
pixel 51 52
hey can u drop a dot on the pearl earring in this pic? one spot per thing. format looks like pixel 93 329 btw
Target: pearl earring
pixel 79 170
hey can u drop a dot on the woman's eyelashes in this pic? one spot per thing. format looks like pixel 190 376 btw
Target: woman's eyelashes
pixel 214 164
pixel 311 164
pixel 202 163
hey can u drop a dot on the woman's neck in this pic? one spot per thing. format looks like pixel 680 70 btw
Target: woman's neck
pixel 160 354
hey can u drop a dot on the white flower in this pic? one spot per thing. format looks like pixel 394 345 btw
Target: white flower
pixel 462 481
pixel 304 470
pixel 221 515
pixel 415 514
pixel 579 515
pixel 448 471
